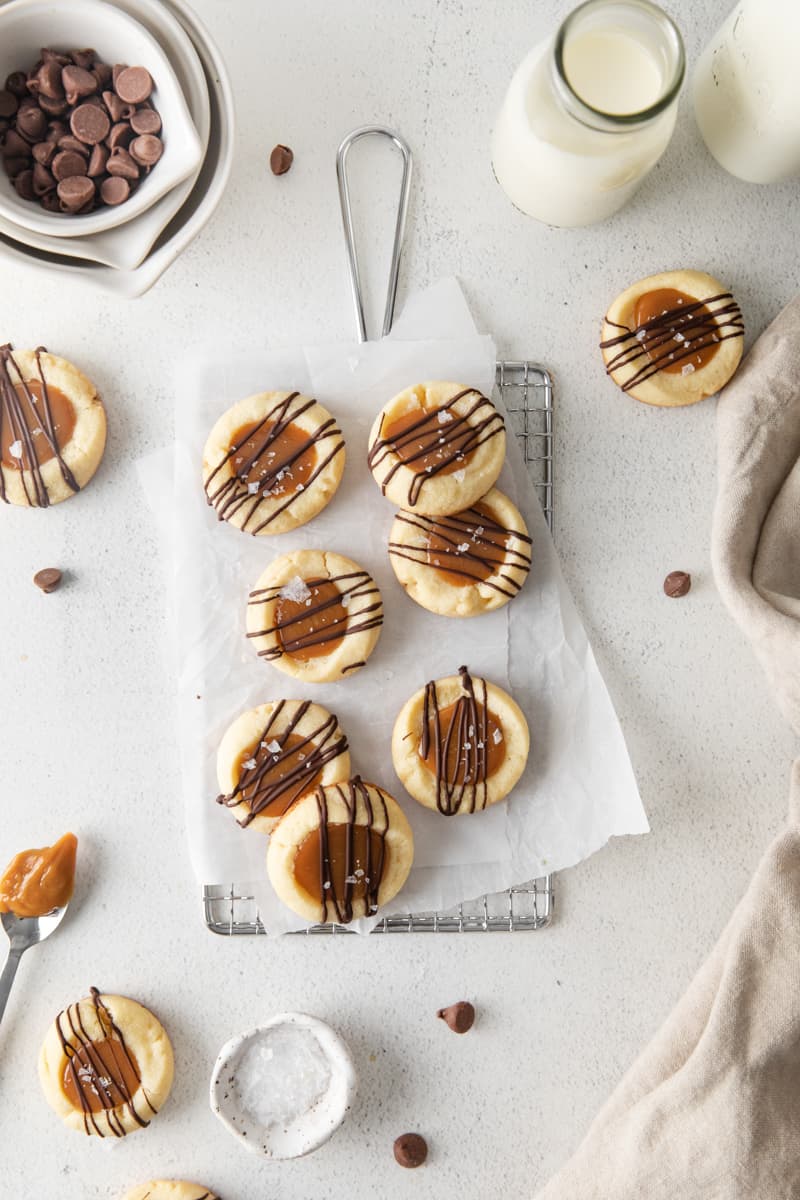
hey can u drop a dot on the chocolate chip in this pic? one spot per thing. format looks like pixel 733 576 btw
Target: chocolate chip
pixel 43 181
pixel 47 80
pixel 45 152
pixel 54 107
pixel 459 1017
pixel 89 124
pixel 32 124
pixel 410 1149
pixel 120 135
pixel 68 163
pixel 77 83
pixel 114 105
pixel 23 182
pixel 17 84
pixel 70 142
pixel 116 71
pixel 15 146
pixel 147 149
pixel 133 85
pixel 75 193
pixel 15 166
pixel 55 131
pixel 9 104
pixel 677 584
pixel 84 58
pixel 98 160
pixel 146 120
pixel 280 160
pixel 121 164
pixel 53 56
pixel 102 73
pixel 48 579
pixel 115 190
pixel 50 202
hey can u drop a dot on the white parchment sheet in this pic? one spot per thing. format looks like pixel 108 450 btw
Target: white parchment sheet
pixel 578 788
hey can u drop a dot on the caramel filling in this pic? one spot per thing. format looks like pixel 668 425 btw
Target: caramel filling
pixel 465 549
pixel 425 443
pixel 678 341
pixel 283 780
pixel 100 1075
pixel 279 463
pixel 311 871
pixel 37 881
pixel 313 627
pixel 466 741
pixel 47 438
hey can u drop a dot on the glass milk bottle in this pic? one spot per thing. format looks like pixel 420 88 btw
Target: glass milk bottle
pixel 589 112
pixel 747 91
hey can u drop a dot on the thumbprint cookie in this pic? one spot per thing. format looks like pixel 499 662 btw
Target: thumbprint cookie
pixel 465 564
pixel 52 428
pixel 272 462
pixel 673 339
pixel 436 448
pixel 272 755
pixel 460 744
pixel 106 1066
pixel 315 615
pixel 340 853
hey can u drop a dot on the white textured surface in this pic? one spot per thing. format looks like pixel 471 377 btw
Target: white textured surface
pixel 88 727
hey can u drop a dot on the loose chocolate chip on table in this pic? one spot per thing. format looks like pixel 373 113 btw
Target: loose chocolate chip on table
pixel 98 161
pixel 120 163
pixel 75 193
pixel 133 85
pixel 77 83
pixel 280 160
pixel 9 104
pixel 115 190
pixel 48 579
pixel 459 1017
pixel 32 124
pixel 23 182
pixel 67 163
pixel 147 149
pixel 677 584
pixel 17 84
pixel 89 124
pixel 146 120
pixel 410 1150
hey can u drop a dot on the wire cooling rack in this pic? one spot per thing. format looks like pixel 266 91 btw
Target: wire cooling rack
pixel 231 910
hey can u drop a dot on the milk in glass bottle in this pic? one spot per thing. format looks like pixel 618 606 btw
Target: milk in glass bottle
pixel 589 112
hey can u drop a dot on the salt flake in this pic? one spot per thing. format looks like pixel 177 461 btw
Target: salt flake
pixel 295 590
pixel 274 747
pixel 687 369
pixel 444 417
pixel 15 449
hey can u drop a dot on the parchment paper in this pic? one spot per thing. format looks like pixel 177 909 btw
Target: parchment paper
pixel 578 788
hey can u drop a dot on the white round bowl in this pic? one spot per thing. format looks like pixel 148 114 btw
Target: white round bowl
pixel 301 1134
pixel 25 26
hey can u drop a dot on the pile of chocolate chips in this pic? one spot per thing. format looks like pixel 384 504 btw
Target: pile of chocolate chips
pixel 77 133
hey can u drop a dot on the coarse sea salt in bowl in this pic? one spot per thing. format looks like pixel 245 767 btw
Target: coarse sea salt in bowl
pixel 284 1088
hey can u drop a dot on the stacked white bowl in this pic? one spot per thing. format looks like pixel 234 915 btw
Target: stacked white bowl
pixel 125 248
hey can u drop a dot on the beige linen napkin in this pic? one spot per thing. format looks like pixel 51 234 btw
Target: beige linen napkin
pixel 711 1109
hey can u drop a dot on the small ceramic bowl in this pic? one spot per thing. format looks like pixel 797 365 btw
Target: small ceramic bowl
pixel 27 25
pixel 307 1085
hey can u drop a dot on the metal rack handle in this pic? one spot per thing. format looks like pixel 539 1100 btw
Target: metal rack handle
pixel 349 232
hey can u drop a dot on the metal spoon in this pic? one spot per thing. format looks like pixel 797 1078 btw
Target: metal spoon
pixel 24 932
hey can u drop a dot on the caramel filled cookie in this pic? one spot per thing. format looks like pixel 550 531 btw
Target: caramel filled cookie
pixel 272 755
pixel 673 339
pixel 341 852
pixel 315 615
pixel 460 744
pixel 437 448
pixel 169 1189
pixel 465 564
pixel 272 462
pixel 52 428
pixel 106 1065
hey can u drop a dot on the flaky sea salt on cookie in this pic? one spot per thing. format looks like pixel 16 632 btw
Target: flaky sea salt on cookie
pixel 106 1066
pixel 465 564
pixel 340 853
pixel 52 428
pixel 673 339
pixel 460 744
pixel 272 755
pixel 436 448
pixel 315 615
pixel 272 462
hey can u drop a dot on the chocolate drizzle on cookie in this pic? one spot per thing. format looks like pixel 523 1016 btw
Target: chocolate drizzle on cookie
pixel 24 418
pixel 352 605
pixel 338 879
pixel 101 1074
pixel 437 442
pixel 285 765
pixel 472 546
pixel 235 493
pixel 460 747
pixel 689 330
